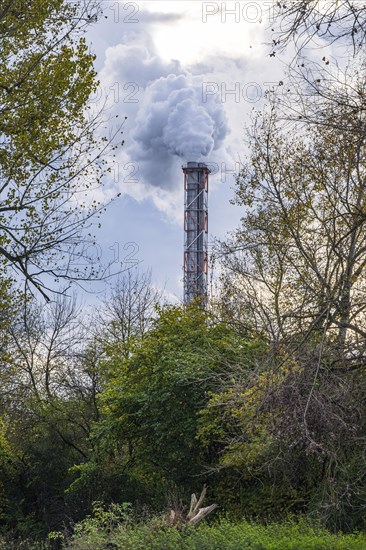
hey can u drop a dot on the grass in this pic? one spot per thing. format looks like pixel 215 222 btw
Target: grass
pixel 223 535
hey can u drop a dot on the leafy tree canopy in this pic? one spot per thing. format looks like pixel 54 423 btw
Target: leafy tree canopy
pixel 49 157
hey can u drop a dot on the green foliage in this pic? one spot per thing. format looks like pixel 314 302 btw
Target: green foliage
pixel 250 457
pixel 42 456
pixel 47 406
pixel 7 471
pixel 48 153
pixel 96 530
pixel 102 532
pixel 148 430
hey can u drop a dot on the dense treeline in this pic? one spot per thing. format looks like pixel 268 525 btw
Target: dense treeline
pixel 136 403
pixel 117 415
pixel 148 404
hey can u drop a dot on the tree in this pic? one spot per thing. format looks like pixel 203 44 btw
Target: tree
pixel 296 267
pixel 302 239
pixel 327 71
pixel 127 312
pixel 295 274
pixel 50 159
pixel 333 20
pixel 49 385
pixel 146 437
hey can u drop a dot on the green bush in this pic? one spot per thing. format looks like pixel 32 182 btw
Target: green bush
pixel 107 531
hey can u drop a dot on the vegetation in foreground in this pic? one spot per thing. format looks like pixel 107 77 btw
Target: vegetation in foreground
pixel 115 528
pixel 223 535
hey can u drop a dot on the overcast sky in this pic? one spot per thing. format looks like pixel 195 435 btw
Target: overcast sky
pixel 187 75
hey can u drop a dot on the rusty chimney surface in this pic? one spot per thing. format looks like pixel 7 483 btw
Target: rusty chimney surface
pixel 196 231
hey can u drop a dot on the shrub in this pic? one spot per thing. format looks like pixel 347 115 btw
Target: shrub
pixel 113 528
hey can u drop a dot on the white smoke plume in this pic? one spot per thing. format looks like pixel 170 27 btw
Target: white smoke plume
pixel 176 119
pixel 172 122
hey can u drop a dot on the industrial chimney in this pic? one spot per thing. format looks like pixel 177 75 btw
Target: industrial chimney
pixel 196 231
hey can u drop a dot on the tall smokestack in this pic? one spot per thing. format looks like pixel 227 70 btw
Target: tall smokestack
pixel 196 231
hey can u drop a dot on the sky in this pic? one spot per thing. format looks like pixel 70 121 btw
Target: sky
pixel 188 76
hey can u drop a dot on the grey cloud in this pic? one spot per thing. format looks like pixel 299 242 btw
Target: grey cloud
pixel 137 64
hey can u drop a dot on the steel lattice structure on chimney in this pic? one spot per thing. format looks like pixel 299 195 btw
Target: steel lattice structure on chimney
pixel 196 231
